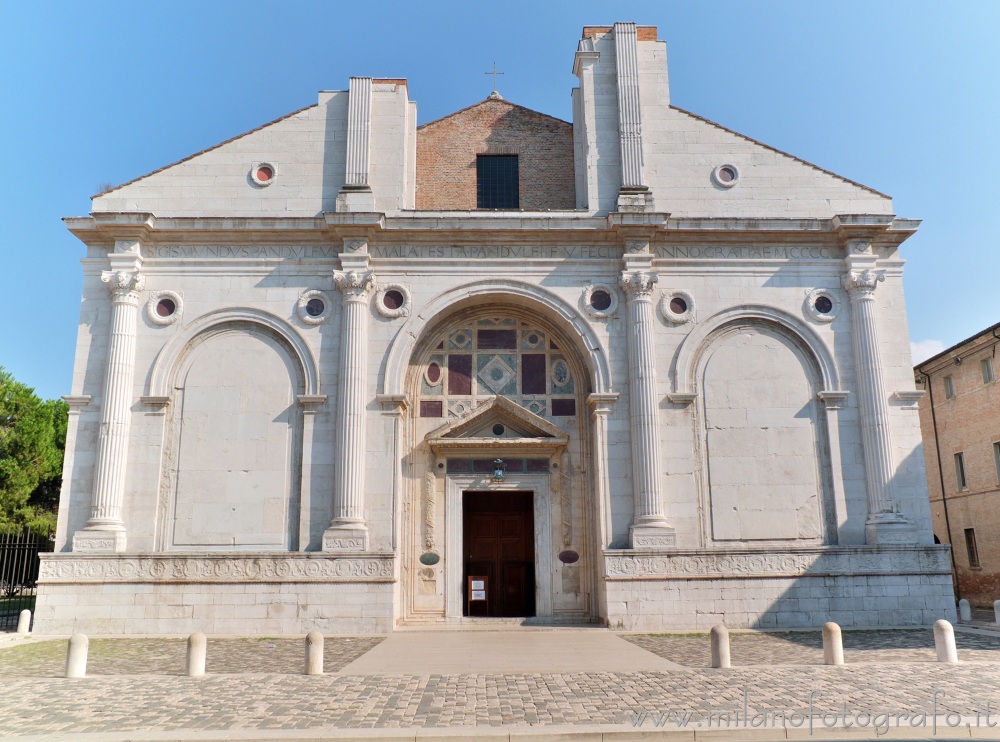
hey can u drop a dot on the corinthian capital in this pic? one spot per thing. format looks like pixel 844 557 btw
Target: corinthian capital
pixel 124 284
pixel 638 284
pixel 862 283
pixel 355 285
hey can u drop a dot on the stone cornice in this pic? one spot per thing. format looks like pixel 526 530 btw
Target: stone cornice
pixel 458 227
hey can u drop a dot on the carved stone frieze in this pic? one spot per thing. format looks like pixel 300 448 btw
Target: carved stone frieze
pixel 214 568
pixel 882 560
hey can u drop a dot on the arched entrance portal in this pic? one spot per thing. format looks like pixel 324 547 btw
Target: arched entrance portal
pixel 497 387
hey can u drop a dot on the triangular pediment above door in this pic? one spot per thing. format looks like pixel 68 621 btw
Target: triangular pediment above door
pixel 498 425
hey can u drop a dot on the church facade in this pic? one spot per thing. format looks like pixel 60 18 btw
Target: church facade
pixel 345 372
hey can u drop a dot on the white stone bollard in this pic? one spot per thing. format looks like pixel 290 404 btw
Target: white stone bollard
pixel 833 644
pixel 720 646
pixel 196 651
pixel 314 653
pixel 944 642
pixel 964 611
pixel 24 621
pixel 996 611
pixel 76 657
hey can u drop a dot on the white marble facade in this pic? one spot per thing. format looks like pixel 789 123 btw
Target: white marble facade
pixel 261 439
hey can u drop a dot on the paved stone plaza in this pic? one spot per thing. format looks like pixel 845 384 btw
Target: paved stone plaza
pixel 136 689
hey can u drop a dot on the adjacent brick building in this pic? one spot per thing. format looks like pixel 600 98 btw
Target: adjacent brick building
pixel 960 422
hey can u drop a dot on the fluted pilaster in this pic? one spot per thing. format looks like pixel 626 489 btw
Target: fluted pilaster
pixel 348 530
pixel 649 527
pixel 884 524
pixel 105 530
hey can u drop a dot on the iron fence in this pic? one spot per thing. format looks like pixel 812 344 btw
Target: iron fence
pixel 19 548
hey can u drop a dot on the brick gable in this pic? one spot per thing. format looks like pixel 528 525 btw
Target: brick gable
pixel 447 149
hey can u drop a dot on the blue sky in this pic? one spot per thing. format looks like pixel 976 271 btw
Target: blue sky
pixel 901 96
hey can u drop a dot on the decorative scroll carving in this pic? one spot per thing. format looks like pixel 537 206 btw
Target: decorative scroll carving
pixel 95 544
pixel 355 285
pixel 862 283
pixel 430 506
pixel 212 568
pixel 638 284
pixel 123 284
pixel 561 487
pixel 851 561
pixel 353 543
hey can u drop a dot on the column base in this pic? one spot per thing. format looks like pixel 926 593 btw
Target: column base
pixel 355 198
pixel 889 528
pixel 652 536
pixel 633 199
pixel 100 540
pixel 346 537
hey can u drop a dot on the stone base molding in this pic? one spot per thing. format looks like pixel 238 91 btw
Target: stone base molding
pixel 97 539
pixel 889 528
pixel 346 538
pixel 652 536
pixel 248 594
pixel 777 588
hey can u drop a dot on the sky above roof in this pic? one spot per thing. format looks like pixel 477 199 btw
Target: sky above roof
pixel 898 95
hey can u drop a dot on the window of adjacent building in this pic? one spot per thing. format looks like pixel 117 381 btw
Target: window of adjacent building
pixel 996 459
pixel 970 545
pixel 496 182
pixel 987 365
pixel 960 471
pixel 949 387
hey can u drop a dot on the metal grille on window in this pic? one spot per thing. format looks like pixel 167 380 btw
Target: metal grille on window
pixel 496 182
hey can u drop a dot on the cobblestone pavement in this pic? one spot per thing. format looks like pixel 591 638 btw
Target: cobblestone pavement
pixel 167 656
pixel 254 684
pixel 273 701
pixel 806 647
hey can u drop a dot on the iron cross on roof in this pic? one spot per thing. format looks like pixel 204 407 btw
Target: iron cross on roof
pixel 495 94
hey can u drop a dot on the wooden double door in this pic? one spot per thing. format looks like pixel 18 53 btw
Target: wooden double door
pixel 499 544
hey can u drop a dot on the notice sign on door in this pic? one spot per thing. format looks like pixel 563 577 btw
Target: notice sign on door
pixel 477 588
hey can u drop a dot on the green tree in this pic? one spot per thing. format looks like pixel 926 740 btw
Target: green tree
pixel 32 442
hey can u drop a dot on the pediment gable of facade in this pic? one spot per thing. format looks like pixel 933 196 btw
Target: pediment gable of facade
pixel 771 183
pixel 496 425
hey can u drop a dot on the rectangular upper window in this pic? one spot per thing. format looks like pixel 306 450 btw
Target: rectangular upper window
pixel 996 459
pixel 496 182
pixel 960 471
pixel 987 365
pixel 949 387
pixel 971 548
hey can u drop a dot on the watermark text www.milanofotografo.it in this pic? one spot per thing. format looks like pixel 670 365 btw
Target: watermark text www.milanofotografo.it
pixel 814 714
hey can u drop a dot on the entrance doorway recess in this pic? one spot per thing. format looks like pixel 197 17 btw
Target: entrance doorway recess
pixel 499 544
